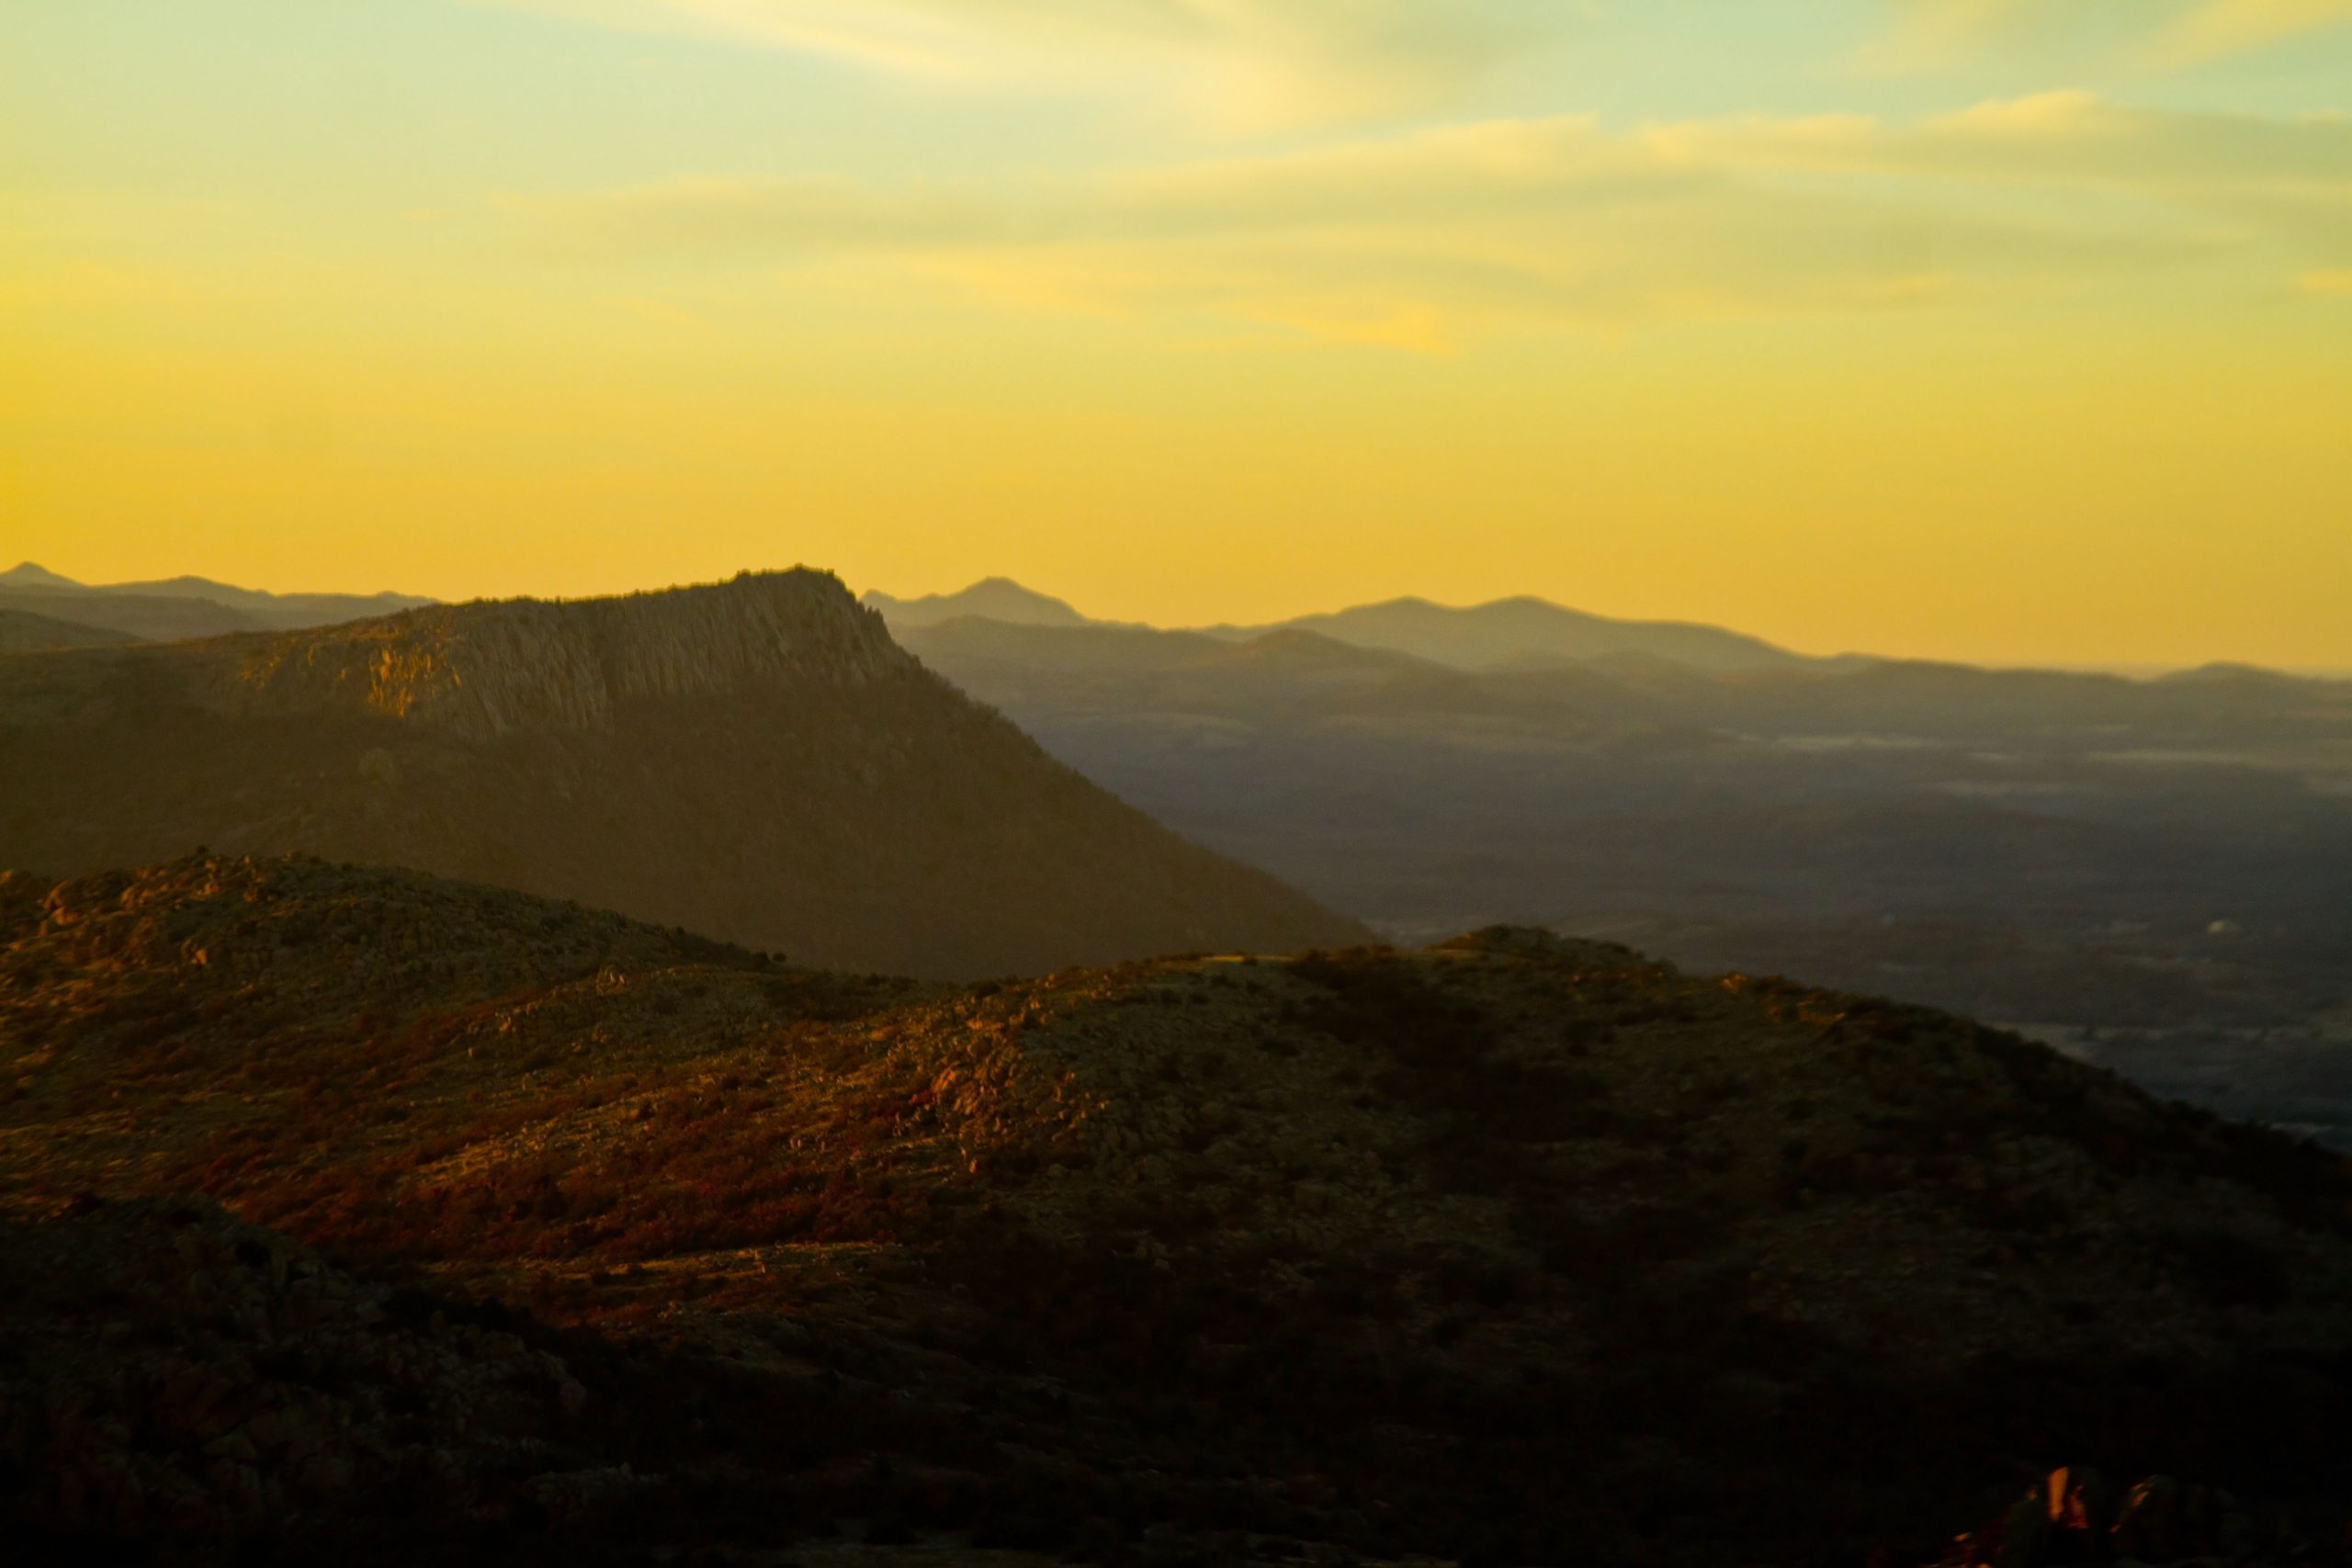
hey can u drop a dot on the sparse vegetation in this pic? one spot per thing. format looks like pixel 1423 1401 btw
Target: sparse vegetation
pixel 1517 1251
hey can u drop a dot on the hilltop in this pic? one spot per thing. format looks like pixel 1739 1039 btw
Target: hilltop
pixel 1513 1250
pixel 755 759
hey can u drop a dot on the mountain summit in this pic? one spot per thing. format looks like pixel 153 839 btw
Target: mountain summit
pixel 31 574
pixel 755 761
pixel 992 598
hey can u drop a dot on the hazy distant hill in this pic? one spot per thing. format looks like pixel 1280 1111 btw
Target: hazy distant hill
pixel 2154 856
pixel 186 606
pixel 1524 629
pixel 756 760
pixel 1512 1251
pixel 1523 633
pixel 1280 677
pixel 137 617
pixel 998 598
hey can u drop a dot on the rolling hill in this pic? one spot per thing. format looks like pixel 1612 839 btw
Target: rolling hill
pixel 555 1237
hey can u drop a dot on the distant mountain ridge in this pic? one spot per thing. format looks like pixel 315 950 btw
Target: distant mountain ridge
pixel 1523 628
pixel 755 761
pixel 172 608
pixel 1523 632
pixel 992 598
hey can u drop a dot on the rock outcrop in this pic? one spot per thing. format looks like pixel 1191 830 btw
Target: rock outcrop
pixel 490 671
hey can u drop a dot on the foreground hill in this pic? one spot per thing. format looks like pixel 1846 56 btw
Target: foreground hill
pixel 756 760
pixel 1513 1251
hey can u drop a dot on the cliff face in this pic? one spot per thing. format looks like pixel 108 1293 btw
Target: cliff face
pixel 491 670
pixel 754 760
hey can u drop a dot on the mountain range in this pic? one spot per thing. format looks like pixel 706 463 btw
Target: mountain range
pixel 1521 632
pixel 2152 869
pixel 172 608
pixel 755 761
pixel 512 1196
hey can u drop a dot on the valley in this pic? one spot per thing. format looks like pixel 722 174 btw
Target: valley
pixel 2143 856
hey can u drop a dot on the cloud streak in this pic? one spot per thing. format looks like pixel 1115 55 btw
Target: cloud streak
pixel 2220 27
pixel 1427 239
pixel 2168 34
pixel 1241 64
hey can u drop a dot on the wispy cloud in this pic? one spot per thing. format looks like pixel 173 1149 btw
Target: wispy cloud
pixel 1242 64
pixel 1425 239
pixel 2167 34
pixel 2230 26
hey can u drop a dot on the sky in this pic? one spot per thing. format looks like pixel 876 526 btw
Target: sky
pixel 2012 331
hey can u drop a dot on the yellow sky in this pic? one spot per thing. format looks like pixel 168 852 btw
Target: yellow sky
pixel 1961 328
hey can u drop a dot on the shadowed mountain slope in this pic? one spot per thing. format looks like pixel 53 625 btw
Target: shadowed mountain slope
pixel 1513 1251
pixel 756 760
pixel 23 631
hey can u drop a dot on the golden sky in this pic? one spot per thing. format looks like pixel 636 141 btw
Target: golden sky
pixel 1983 329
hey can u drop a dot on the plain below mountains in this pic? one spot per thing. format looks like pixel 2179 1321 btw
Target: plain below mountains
pixel 757 760
pixel 592 1242
pixel 39 608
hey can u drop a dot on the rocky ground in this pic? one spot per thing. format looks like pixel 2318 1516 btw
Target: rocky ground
pixel 587 1240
